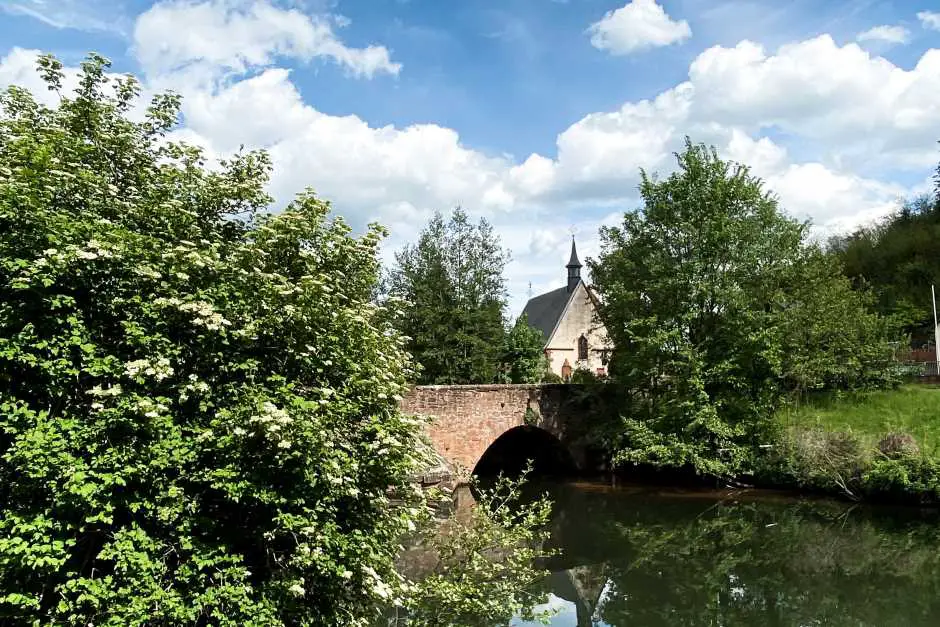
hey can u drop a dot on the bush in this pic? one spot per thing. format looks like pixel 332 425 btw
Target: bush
pixel 478 566
pixel 551 377
pixel 583 376
pixel 198 421
pixel 898 445
pixel 820 460
pixel 909 479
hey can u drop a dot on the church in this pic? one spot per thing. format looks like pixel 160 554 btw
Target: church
pixel 567 317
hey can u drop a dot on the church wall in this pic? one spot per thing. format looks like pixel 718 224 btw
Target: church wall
pixel 578 319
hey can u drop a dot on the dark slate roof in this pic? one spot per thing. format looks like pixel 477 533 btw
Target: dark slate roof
pixel 545 309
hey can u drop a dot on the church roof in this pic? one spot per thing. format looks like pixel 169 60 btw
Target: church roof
pixel 544 310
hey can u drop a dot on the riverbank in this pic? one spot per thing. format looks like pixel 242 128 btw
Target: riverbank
pixel 880 446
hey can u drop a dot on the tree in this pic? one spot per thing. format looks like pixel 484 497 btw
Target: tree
pixel 198 415
pixel 896 259
pixel 523 359
pixel 453 296
pixel 701 292
pixel 831 335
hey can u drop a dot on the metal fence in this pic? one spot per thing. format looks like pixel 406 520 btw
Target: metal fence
pixel 921 368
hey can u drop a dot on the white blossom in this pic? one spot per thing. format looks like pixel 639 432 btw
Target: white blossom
pixel 158 370
pixel 99 391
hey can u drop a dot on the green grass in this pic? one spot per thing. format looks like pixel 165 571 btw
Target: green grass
pixel 912 409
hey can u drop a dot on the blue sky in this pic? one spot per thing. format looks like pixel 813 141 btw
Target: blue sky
pixel 536 114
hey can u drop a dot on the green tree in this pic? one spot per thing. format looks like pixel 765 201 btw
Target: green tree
pixel 703 292
pixel 897 260
pixel 198 416
pixel 831 335
pixel 453 296
pixel 523 359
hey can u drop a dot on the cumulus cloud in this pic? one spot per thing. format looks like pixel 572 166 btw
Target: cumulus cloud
pixel 853 104
pixel 232 35
pixel 886 34
pixel 638 25
pixel 929 20
pixel 843 108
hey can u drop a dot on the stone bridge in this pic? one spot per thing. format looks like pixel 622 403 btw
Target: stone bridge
pixel 469 419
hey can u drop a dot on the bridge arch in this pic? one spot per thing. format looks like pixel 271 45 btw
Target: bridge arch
pixel 512 451
pixel 466 420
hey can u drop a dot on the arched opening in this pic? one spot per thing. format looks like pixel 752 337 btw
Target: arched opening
pixel 511 452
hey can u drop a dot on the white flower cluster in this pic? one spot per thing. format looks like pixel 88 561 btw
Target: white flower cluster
pixel 194 386
pixel 204 314
pixel 159 370
pixel 103 394
pixel 272 419
pixel 379 587
pixel 297 589
pixel 93 250
pixel 148 272
pixel 114 390
pixel 149 408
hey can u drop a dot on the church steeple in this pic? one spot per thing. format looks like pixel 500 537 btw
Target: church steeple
pixel 574 268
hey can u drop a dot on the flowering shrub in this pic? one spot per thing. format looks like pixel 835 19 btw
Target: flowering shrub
pixel 198 415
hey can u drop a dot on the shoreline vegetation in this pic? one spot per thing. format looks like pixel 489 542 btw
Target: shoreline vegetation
pixel 875 446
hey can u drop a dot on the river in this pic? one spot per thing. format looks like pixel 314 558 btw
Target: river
pixel 632 555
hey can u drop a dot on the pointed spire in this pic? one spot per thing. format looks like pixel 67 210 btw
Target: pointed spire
pixel 573 262
pixel 574 268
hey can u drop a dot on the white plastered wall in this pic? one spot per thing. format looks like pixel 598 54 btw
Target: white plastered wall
pixel 577 319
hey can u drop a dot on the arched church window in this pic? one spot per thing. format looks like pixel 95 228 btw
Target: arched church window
pixel 582 348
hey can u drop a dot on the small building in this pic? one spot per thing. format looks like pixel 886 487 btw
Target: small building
pixel 567 317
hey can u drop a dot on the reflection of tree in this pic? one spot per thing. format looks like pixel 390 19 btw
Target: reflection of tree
pixel 676 562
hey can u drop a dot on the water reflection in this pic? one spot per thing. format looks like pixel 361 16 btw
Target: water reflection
pixel 634 556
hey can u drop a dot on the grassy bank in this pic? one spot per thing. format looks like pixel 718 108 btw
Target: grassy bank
pixel 869 416
pixel 875 445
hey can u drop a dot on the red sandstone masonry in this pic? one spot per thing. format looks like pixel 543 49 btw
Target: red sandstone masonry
pixel 469 418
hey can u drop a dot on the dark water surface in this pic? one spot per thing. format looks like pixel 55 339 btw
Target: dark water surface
pixel 649 556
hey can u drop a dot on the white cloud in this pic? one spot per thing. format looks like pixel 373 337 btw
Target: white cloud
pixel 886 34
pixel 838 107
pixel 929 20
pixel 832 199
pixel 859 108
pixel 388 173
pixel 18 68
pixel 638 25
pixel 232 35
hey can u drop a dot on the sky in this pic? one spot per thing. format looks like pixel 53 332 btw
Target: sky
pixel 537 115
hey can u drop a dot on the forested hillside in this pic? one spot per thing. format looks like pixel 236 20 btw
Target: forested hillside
pixel 898 258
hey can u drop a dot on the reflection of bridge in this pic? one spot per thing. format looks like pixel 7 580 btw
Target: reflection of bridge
pixel 582 586
pixel 470 420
